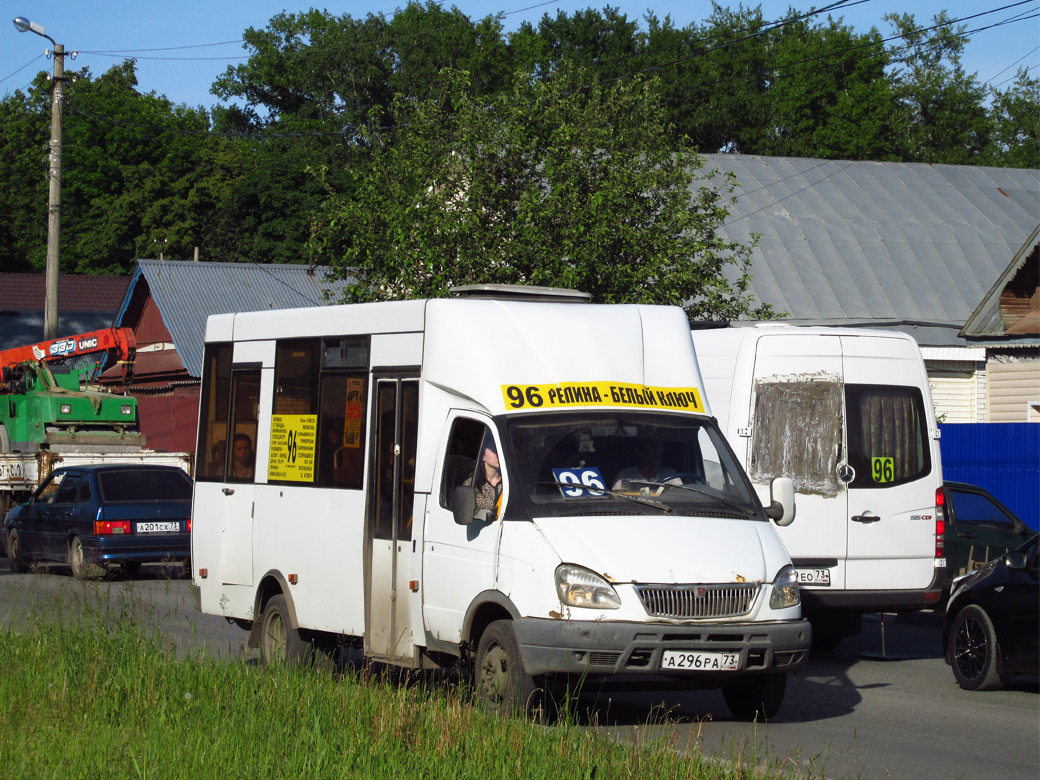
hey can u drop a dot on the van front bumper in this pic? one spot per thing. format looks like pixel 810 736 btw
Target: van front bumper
pixel 604 648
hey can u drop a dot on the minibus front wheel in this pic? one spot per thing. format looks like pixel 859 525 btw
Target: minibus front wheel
pixel 502 685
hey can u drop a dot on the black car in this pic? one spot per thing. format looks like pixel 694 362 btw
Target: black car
pixel 979 529
pixel 92 517
pixel 992 625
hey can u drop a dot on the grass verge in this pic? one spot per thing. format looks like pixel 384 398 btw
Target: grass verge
pixel 104 699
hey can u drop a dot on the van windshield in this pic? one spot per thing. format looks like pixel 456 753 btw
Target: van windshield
pixel 581 463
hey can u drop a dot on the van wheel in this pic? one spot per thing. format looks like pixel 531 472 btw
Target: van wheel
pixel 756 697
pixel 974 652
pixel 15 560
pixel 499 678
pixel 280 643
pixel 82 569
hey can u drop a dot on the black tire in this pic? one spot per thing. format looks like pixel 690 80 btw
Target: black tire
pixel 280 643
pixel 499 679
pixel 81 568
pixel 756 697
pixel 15 559
pixel 974 651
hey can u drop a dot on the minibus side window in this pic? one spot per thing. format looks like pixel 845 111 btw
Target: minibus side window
pixel 215 398
pixel 888 442
pixel 344 395
pixel 461 458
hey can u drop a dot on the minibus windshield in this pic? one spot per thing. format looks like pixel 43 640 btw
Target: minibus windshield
pixel 580 463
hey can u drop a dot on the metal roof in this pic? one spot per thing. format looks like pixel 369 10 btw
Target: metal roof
pixel 187 292
pixel 907 246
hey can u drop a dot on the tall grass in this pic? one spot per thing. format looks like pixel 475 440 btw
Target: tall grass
pixel 104 697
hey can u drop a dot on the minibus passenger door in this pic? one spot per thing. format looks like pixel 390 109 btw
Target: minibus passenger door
pixel 236 538
pixel 389 630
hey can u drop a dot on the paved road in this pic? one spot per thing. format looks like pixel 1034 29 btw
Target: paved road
pixel 850 714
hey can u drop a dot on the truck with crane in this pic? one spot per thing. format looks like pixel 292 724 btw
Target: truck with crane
pixel 54 413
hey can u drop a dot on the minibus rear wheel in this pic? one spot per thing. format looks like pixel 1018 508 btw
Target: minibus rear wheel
pixel 279 641
pixel 502 685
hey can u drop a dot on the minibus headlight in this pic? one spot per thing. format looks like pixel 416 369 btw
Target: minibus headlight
pixel 579 587
pixel 785 589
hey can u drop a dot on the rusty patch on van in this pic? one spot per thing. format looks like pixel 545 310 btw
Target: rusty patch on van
pixel 797 430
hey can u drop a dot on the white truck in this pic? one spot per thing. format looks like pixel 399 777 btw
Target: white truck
pixel 435 481
pixel 847 414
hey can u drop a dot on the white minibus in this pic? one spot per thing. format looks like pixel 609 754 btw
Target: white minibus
pixel 529 486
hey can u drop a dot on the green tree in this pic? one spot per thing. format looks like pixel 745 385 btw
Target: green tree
pixel 1015 118
pixel 556 183
pixel 828 96
pixel 940 114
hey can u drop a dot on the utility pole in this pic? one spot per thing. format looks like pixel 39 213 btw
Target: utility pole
pixel 50 309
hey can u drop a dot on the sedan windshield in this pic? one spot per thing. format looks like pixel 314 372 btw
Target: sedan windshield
pixel 567 464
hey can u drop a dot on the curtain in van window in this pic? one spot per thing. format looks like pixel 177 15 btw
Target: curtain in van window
pixel 892 435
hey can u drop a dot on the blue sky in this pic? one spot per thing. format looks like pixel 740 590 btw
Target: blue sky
pixel 107 31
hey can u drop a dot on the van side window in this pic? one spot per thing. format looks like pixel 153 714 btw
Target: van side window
pixel 888 436
pixel 214 402
pixel 798 432
pixel 461 458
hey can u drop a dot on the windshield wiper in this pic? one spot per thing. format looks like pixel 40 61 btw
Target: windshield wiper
pixel 700 491
pixel 614 494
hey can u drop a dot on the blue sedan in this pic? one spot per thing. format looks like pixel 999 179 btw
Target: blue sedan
pixel 93 517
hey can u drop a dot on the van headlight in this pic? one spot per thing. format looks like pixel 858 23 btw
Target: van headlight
pixel 579 587
pixel 785 589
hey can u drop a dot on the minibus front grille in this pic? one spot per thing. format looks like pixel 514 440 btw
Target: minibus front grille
pixel 698 601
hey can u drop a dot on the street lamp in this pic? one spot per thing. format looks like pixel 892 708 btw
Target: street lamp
pixel 50 310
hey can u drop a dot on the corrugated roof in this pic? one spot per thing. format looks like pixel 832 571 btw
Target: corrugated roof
pixel 908 246
pixel 76 293
pixel 187 292
pixel 23 328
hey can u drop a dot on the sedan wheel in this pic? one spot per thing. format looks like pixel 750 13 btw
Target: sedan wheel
pixel 14 553
pixel 81 568
pixel 974 652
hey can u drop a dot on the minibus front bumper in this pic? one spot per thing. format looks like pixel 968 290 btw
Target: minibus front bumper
pixel 624 648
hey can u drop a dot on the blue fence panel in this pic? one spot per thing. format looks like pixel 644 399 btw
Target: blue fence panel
pixel 1003 458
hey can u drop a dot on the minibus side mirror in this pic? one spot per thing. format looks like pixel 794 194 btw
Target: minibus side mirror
pixel 781 494
pixel 464 505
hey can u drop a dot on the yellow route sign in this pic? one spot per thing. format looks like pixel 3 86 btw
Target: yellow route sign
pixel 619 394
pixel 293 447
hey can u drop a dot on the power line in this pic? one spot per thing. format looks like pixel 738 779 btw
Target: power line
pixel 26 65
pixel 1013 64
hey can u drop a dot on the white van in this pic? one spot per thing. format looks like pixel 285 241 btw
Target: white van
pixel 847 414
pixel 434 481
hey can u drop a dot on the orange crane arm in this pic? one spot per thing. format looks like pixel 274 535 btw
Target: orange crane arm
pixel 119 342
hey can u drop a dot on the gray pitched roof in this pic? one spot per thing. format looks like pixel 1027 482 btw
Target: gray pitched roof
pixel 909 246
pixel 188 292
